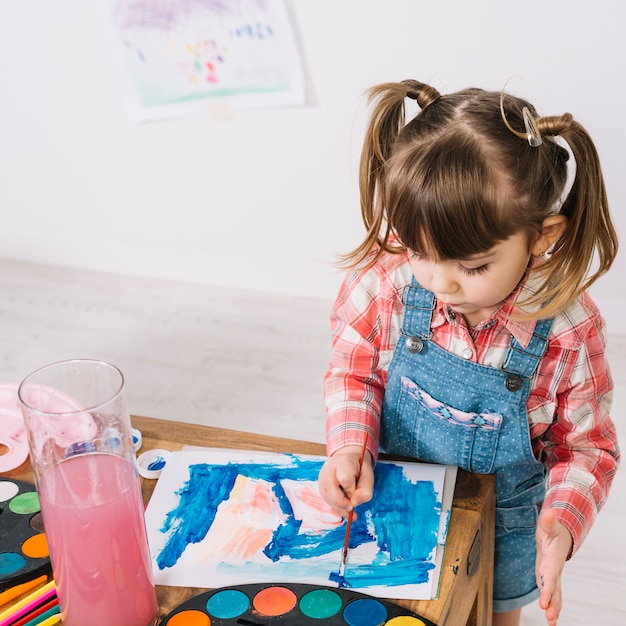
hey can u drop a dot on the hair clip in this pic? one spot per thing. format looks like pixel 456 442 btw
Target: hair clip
pixel 533 136
pixel 532 133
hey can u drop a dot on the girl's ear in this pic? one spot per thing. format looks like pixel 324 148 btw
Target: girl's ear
pixel 551 229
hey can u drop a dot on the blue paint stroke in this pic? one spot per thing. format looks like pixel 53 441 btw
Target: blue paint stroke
pixel 402 519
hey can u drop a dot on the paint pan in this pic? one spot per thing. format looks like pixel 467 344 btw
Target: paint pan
pixel 289 604
pixel 23 549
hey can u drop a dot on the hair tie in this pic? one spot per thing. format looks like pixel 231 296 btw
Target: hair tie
pixel 571 173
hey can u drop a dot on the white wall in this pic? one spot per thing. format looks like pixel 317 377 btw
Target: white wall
pixel 266 200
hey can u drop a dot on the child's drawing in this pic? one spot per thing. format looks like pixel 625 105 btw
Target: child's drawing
pixel 221 518
pixel 176 54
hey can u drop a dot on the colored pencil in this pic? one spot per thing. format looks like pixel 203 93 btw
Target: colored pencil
pixel 18 590
pixel 30 602
pixel 346 539
pixel 44 617
pixel 46 606
pixel 55 619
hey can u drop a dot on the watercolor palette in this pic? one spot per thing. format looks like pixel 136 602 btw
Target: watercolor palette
pixel 290 604
pixel 24 549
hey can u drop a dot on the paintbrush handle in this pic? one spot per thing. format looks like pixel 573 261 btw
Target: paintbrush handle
pixel 346 538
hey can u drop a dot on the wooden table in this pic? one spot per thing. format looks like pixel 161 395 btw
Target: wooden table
pixel 467 573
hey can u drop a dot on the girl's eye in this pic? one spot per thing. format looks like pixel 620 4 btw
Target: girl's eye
pixel 470 271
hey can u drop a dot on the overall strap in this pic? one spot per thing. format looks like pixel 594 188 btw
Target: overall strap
pixel 524 361
pixel 419 304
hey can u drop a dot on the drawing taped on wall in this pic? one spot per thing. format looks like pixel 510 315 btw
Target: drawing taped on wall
pixel 230 517
pixel 175 55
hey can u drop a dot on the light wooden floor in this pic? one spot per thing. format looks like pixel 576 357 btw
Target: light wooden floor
pixel 249 361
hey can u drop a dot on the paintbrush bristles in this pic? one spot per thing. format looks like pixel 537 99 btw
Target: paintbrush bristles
pixel 342 567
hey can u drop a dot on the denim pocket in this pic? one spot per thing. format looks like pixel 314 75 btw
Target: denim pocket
pixel 515 552
pixel 435 432
pixel 519 518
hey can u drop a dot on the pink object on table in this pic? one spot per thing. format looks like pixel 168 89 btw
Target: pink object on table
pixel 12 430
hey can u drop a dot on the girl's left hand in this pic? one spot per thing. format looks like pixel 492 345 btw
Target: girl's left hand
pixel 554 544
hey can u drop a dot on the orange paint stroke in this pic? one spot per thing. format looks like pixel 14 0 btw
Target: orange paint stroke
pixel 308 505
pixel 244 524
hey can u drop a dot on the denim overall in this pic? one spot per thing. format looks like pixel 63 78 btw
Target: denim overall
pixel 441 408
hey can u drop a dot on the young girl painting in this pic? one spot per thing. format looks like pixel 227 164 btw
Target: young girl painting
pixel 463 333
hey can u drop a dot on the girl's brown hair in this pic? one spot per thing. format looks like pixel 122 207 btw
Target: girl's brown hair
pixel 455 181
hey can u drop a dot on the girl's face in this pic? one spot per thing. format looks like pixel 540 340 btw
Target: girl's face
pixel 475 287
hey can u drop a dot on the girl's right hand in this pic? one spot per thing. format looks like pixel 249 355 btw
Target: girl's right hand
pixel 340 483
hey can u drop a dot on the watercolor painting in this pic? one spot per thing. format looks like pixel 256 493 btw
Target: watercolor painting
pixel 177 54
pixel 224 517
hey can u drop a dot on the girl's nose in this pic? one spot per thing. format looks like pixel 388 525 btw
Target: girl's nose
pixel 443 280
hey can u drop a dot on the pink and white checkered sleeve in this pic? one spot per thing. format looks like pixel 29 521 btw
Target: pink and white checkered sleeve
pixel 362 322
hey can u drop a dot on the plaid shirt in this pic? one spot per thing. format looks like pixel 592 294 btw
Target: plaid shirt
pixel 568 405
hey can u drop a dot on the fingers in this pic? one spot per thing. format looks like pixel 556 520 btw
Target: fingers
pixel 553 609
pixel 346 476
pixel 554 543
pixel 365 486
pixel 338 483
pixel 550 598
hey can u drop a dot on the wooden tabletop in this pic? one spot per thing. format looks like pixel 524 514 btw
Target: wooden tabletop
pixel 467 572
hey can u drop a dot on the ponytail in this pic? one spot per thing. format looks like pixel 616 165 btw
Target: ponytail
pixel 589 236
pixel 386 122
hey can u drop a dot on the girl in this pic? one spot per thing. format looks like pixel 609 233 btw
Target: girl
pixel 464 334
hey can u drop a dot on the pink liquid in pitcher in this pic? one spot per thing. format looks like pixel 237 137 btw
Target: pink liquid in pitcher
pixel 97 538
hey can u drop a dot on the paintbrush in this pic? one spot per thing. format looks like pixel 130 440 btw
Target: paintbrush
pixel 346 539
